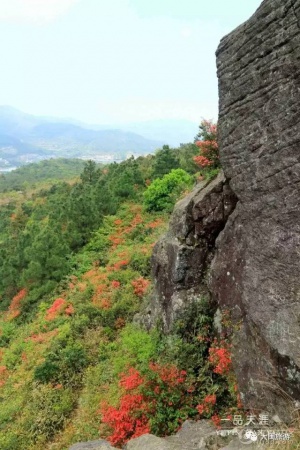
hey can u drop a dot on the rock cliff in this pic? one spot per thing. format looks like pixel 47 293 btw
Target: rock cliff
pixel 241 232
pixel 182 257
pixel 255 272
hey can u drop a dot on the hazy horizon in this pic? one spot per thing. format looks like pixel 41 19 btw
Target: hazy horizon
pixel 112 62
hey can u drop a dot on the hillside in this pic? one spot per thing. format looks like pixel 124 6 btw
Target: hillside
pixel 46 171
pixel 74 271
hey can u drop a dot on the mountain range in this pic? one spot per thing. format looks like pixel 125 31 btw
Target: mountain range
pixel 26 138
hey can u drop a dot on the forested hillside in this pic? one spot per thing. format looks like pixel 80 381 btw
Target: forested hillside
pixel 74 271
pixel 49 171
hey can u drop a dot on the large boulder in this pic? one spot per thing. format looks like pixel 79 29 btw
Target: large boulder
pixel 199 435
pixel 181 258
pixel 255 271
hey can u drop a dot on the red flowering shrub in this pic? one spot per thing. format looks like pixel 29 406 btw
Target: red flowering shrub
pixel 208 404
pixel 206 140
pixel 14 308
pixel 105 303
pixel 140 286
pixel 155 401
pixel 42 337
pixel 156 223
pixel 116 240
pixel 115 284
pixel 128 421
pixel 59 306
pixel 220 358
pixel 216 420
pixel 132 380
pixel 170 375
pixel 69 310
pixel 121 264
pixel 3 375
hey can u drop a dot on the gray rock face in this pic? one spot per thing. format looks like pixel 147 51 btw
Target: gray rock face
pixel 149 442
pixel 255 272
pixel 181 257
pixel 192 436
pixel 93 445
pixel 199 435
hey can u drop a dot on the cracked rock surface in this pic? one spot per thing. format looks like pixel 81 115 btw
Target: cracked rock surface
pixel 255 272
pixel 181 257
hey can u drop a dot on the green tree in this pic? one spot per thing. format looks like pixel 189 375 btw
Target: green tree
pixel 90 173
pixel 46 257
pixel 163 192
pixel 165 160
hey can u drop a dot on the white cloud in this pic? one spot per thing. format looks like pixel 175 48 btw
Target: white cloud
pixel 33 10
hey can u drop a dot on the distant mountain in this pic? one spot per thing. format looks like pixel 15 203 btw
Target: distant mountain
pixel 171 131
pixel 25 138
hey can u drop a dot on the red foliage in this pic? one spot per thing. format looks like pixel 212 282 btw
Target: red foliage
pixel 216 420
pixel 70 310
pixel 132 380
pixel 39 338
pixel 125 422
pixel 140 286
pixel 220 358
pixel 202 161
pixel 206 146
pixel 58 307
pixel 209 150
pixel 116 240
pixel 207 405
pixel 3 375
pixel 136 220
pixel 115 284
pixel 16 303
pixel 169 374
pixel 105 303
pixel 156 223
pixel 120 264
pixel 3 369
pixel 210 399
pixel 132 418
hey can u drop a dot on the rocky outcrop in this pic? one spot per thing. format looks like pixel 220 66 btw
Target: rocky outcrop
pixel 181 258
pixel 192 436
pixel 255 271
pixel 93 445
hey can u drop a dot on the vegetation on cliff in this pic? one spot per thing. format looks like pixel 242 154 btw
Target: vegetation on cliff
pixel 75 269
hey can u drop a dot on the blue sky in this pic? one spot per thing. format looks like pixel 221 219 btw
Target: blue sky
pixel 115 61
